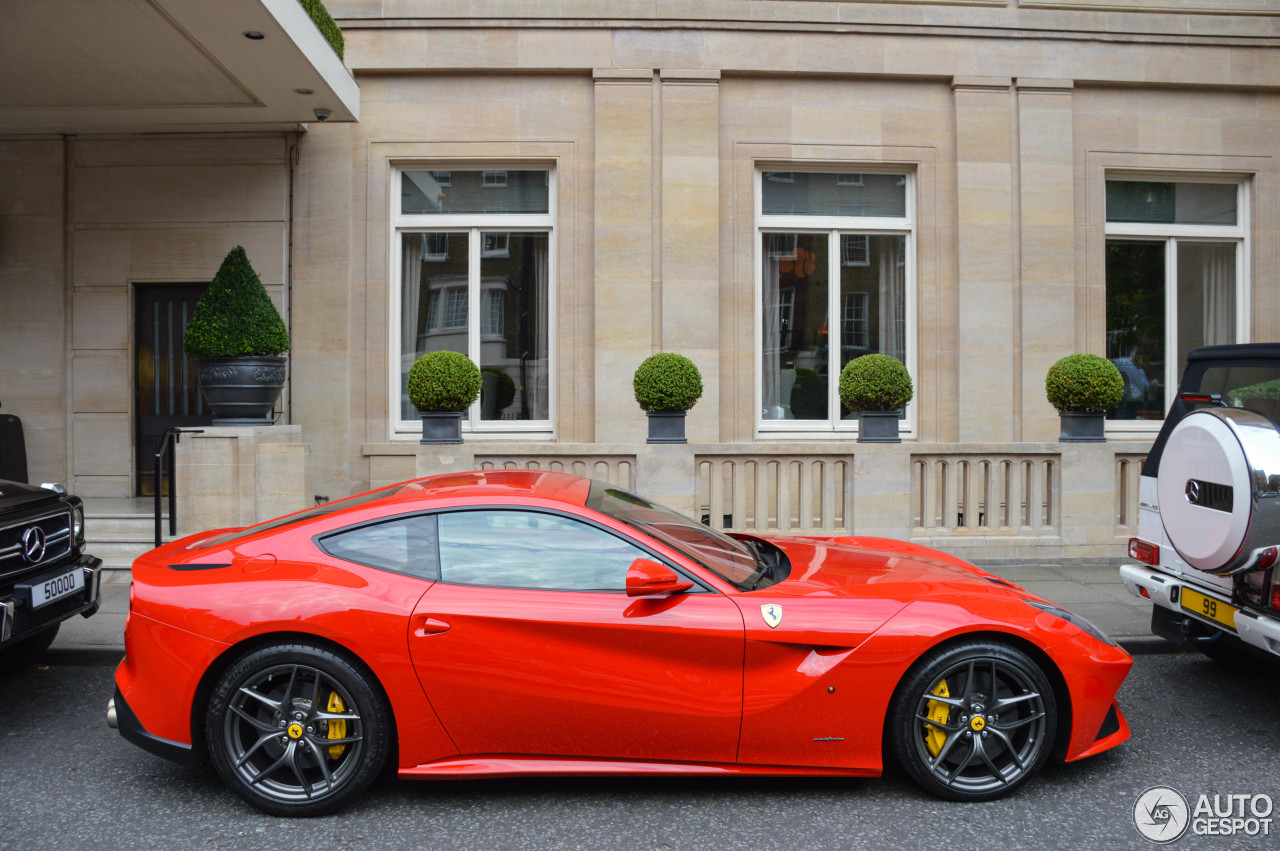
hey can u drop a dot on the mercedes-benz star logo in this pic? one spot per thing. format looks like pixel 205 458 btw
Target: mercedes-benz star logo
pixel 33 544
pixel 1193 492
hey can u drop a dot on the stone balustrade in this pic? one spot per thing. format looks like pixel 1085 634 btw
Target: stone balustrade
pixel 986 502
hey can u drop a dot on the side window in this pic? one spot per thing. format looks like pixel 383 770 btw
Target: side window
pixel 404 545
pixel 527 549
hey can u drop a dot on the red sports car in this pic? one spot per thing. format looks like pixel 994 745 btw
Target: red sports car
pixel 528 623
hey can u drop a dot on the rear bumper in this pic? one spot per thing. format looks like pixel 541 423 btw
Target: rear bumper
pixel 19 620
pixel 121 717
pixel 1164 590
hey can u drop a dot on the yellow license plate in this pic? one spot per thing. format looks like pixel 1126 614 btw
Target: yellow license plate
pixel 1208 607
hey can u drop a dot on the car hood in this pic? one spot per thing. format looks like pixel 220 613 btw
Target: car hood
pixel 840 567
pixel 16 495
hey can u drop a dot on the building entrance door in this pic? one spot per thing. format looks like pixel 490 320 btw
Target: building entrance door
pixel 166 392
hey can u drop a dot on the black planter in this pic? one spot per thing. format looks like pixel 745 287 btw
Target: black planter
pixel 878 427
pixel 1079 427
pixel 441 426
pixel 242 391
pixel 666 426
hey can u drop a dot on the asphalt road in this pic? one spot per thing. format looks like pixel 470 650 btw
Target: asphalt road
pixel 68 782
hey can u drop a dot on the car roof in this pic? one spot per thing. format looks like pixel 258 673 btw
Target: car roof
pixel 497 484
pixel 1235 351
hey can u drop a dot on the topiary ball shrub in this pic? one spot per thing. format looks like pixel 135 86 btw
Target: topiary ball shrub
pixel 667 382
pixel 443 381
pixel 235 315
pixel 1087 384
pixel 875 383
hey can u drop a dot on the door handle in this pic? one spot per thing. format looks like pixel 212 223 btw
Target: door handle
pixel 424 626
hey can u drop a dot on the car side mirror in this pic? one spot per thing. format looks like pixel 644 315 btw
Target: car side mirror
pixel 648 578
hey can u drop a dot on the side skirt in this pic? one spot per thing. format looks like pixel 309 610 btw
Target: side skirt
pixel 474 767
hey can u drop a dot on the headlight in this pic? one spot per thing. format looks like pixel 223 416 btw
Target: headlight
pixel 1073 619
pixel 77 525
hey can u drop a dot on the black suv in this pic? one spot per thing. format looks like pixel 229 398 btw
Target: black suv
pixel 45 575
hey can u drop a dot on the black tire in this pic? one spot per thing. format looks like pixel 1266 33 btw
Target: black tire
pixel 298 730
pixel 973 721
pixel 23 652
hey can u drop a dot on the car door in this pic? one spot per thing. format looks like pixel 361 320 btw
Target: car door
pixel 529 645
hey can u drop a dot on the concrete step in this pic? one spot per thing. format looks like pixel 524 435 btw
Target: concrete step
pixel 118 531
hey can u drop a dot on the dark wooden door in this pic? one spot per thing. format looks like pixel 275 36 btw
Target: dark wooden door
pixel 166 391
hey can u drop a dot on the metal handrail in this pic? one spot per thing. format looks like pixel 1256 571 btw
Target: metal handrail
pixel 163 450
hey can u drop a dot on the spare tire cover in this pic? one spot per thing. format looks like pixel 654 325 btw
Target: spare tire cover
pixel 1217 488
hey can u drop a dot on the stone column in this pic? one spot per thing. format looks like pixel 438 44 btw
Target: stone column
pixel 1048 256
pixel 985 266
pixel 690 238
pixel 238 476
pixel 624 247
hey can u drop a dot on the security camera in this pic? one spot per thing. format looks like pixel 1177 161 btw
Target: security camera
pixel 323 114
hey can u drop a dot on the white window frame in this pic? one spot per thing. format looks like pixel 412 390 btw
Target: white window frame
pixel 860 255
pixel 855 319
pixel 438 243
pixel 496 244
pixel 475 225
pixel 834 227
pixel 1170 235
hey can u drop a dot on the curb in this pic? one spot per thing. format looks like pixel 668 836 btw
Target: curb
pixel 1148 646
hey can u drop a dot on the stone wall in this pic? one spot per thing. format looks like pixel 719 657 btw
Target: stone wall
pixel 656 118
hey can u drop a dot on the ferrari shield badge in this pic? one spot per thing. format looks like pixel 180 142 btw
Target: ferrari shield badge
pixel 772 615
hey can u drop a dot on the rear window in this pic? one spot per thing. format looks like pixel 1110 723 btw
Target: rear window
pixel 1254 387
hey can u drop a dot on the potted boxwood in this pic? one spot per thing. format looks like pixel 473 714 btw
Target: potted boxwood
pixel 877 387
pixel 666 386
pixel 239 340
pixel 1083 388
pixel 441 386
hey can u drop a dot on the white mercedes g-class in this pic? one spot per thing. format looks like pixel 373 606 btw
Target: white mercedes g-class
pixel 1209 508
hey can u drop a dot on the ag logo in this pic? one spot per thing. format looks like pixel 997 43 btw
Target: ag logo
pixel 772 615
pixel 1161 814
pixel 1193 492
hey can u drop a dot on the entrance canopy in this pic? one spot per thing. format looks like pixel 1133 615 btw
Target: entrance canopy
pixel 142 66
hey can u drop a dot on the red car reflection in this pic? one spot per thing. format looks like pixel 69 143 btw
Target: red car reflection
pixel 526 623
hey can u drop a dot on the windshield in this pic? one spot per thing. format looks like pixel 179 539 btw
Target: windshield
pixel 731 560
pixel 290 519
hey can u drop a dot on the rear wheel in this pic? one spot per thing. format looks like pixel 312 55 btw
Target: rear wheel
pixel 973 721
pixel 297 730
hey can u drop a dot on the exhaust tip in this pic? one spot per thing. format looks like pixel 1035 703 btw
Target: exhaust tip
pixel 111 715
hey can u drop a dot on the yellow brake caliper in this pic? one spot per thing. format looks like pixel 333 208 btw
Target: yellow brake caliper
pixel 934 738
pixel 338 727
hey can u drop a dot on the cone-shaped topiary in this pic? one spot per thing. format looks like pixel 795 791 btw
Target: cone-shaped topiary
pixel 1087 384
pixel 235 315
pixel 443 381
pixel 667 382
pixel 875 383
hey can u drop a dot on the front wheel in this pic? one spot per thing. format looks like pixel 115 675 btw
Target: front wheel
pixel 297 730
pixel 973 721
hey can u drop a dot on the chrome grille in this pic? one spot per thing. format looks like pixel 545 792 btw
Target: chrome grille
pixel 56 527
